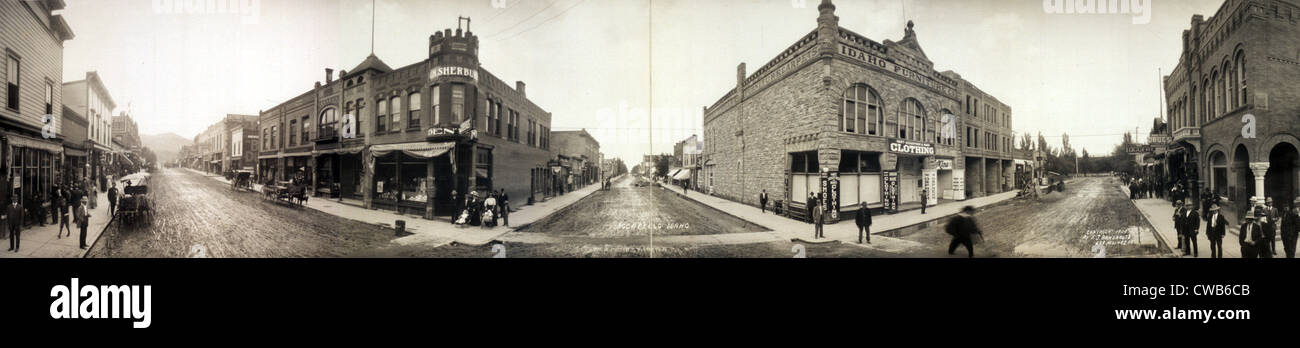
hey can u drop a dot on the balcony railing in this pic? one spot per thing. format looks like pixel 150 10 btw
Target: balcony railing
pixel 1187 133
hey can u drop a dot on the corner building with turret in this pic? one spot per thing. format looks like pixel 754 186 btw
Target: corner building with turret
pixel 860 122
pixel 404 139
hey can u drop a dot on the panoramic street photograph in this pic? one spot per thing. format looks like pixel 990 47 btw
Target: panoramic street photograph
pixel 676 129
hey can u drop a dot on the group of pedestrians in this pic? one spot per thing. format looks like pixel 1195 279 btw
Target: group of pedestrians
pixel 1258 234
pixel 483 212
pixel 67 206
pixel 1139 188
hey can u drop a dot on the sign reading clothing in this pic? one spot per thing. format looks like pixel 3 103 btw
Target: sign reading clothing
pixel 911 148
pixel 441 71
pixel 830 183
pixel 889 190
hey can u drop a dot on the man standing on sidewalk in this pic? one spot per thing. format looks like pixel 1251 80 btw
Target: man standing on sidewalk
pixel 505 207
pixel 1191 225
pixel 1270 224
pixel 818 218
pixel 112 200
pixel 864 223
pixel 1251 237
pixel 1215 229
pixel 762 202
pixel 1179 224
pixel 15 215
pixel 1291 229
pixel 82 215
pixel 925 200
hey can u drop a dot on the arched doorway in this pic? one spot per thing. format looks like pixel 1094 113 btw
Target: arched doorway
pixel 1219 173
pixel 1280 181
pixel 1243 187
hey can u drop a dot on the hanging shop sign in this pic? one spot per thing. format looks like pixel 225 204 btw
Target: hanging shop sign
pixel 943 164
pixel 911 148
pixel 830 185
pixel 889 191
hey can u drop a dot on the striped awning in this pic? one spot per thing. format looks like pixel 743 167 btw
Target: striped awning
pixel 416 149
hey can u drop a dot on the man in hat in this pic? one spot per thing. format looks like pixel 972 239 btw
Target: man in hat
pixel 963 228
pixel 1269 226
pixel 1216 227
pixel 1291 229
pixel 1250 236
pixel 1178 223
pixel 1191 227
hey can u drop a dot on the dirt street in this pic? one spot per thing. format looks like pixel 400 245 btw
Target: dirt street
pixel 195 215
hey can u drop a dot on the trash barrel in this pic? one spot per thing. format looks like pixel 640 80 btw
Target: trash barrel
pixel 399 227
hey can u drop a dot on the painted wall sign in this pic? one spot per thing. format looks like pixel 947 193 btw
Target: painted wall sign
pixel 930 180
pixel 943 164
pixel 911 148
pixel 906 73
pixel 830 184
pixel 441 71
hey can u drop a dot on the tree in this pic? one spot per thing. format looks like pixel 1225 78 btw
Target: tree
pixel 661 164
pixel 1027 142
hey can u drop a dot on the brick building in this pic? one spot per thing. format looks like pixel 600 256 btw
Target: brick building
pixel 403 139
pixel 874 119
pixel 1237 68
pixel 31 71
pixel 584 150
pixel 242 142
pixel 126 132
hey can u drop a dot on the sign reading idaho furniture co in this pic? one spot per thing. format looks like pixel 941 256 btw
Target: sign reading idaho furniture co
pixel 441 71
pixel 911 148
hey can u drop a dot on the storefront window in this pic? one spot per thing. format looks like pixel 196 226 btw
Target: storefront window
pixel 483 171
pixel 414 184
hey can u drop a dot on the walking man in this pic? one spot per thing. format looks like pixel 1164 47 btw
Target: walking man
pixel 112 199
pixel 83 220
pixel 925 199
pixel 62 210
pixel 1191 225
pixel 15 215
pixel 1267 226
pixel 1215 228
pixel 962 228
pixel 762 202
pixel 864 223
pixel 818 218
pixel 1291 229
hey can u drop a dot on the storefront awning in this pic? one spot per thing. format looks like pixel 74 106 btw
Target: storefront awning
pixel 343 151
pixel 417 150
pixel 68 151
pixel 33 143
pixel 684 174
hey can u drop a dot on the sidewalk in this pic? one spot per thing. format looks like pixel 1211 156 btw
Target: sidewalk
pixel 441 232
pixel 41 242
pixel 846 231
pixel 1160 213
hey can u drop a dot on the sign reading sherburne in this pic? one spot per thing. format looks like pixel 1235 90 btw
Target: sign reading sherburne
pixel 441 71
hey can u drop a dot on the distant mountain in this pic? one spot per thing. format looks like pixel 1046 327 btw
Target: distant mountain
pixel 167 145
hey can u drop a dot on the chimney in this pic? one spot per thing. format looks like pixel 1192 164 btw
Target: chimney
pixel 329 75
pixel 740 75
pixel 519 86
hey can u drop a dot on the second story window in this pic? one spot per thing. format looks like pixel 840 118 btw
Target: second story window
pixel 381 116
pixel 11 82
pixel 437 106
pixel 329 123
pixel 396 114
pixel 413 116
pixel 293 132
pixel 49 98
pixel 458 103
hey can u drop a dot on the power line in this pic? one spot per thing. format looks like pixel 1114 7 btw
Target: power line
pixel 546 21
pixel 525 19
pixel 498 14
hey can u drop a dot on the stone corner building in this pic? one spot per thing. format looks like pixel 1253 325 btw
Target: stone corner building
pixel 403 139
pixel 877 116
pixel 1239 66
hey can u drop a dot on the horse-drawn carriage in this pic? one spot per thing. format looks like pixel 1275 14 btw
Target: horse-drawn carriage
pixel 133 206
pixel 242 179
pixel 286 191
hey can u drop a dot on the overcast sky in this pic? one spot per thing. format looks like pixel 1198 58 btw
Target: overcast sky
pixel 589 62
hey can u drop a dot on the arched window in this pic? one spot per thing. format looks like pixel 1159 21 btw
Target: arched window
pixel 413 115
pixel 911 120
pixel 1230 86
pixel 1220 98
pixel 396 115
pixel 1191 108
pixel 862 112
pixel 1207 101
pixel 946 127
pixel 1241 77
pixel 329 121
